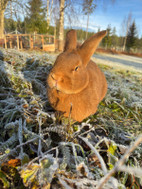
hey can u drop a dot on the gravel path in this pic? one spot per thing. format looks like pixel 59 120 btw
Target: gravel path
pixel 120 61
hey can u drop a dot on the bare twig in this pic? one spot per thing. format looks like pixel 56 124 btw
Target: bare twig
pixel 20 135
pixel 131 170
pixel 120 162
pixel 64 184
pixel 18 146
pixel 97 154
pixel 39 143
pixel 86 132
pixel 45 153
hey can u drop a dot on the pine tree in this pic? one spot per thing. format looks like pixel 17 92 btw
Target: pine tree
pixel 114 38
pixel 132 36
pixel 35 22
pixel 107 39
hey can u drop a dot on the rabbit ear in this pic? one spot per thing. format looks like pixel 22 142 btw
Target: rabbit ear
pixel 88 48
pixel 71 40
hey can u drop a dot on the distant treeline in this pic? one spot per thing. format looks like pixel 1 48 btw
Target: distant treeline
pixel 111 41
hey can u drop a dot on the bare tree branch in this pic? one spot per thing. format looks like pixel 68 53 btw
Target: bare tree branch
pixel 131 170
pixel 120 162
pixel 97 154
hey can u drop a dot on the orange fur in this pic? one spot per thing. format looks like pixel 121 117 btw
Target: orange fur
pixel 75 83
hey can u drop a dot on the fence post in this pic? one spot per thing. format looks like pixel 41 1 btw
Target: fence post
pixel 17 42
pixel 31 42
pixel 21 45
pixel 5 42
pixel 10 42
pixel 42 40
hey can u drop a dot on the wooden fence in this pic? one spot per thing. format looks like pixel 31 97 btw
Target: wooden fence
pixel 30 41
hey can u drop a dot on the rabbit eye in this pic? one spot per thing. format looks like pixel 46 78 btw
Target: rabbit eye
pixel 76 68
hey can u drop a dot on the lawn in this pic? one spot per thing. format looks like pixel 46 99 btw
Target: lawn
pixel 39 148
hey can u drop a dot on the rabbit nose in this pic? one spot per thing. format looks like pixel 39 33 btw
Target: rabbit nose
pixel 56 77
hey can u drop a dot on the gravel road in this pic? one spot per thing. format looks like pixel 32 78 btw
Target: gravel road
pixel 120 61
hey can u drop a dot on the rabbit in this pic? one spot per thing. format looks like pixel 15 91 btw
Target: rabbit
pixel 76 85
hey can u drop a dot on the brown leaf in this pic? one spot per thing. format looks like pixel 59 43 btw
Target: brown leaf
pixel 12 163
pixel 94 160
pixel 25 105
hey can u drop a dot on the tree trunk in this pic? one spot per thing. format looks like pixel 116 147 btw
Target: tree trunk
pixel 61 25
pixel 124 45
pixel 127 29
pixel 48 20
pixel 55 30
pixel 1 24
pixel 87 26
pixel 3 4
pixel 49 12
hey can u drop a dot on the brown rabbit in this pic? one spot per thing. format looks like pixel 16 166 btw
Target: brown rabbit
pixel 75 84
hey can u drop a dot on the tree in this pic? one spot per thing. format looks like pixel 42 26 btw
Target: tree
pixel 61 25
pixel 107 39
pixel 125 26
pixel 16 6
pixel 48 18
pixel 139 44
pixel 114 38
pixel 49 12
pixel 54 16
pixel 68 8
pixel 132 36
pixel 10 25
pixel 61 18
pixel 3 4
pixel 35 21
pixel 88 8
